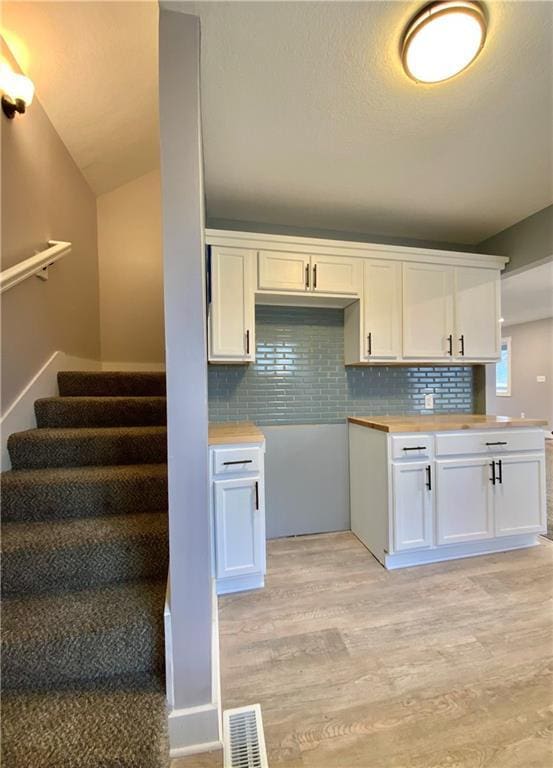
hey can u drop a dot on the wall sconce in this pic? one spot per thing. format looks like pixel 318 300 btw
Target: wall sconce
pixel 17 91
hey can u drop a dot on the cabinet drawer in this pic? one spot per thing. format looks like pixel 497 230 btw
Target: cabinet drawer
pixel 489 442
pixel 228 461
pixel 411 446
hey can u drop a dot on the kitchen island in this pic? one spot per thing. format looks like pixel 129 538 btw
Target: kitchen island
pixel 440 487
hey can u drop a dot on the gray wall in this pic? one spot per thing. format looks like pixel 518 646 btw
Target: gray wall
pixel 44 196
pixel 527 242
pixel 306 479
pixel 182 205
pixel 531 356
pixel 131 272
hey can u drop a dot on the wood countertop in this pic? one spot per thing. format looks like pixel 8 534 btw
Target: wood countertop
pixel 441 422
pixel 229 432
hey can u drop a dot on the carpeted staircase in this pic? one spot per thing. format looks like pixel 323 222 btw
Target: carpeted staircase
pixel 84 567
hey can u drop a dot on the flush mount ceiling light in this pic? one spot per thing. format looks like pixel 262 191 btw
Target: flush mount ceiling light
pixel 442 40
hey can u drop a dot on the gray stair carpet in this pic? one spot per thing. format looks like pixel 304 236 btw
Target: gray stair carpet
pixel 84 567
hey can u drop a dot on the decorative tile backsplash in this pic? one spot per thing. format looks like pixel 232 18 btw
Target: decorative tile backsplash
pixel 299 377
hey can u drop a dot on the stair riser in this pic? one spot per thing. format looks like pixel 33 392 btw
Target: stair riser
pixel 111 384
pixel 100 412
pixel 29 572
pixel 34 501
pixel 83 659
pixel 79 452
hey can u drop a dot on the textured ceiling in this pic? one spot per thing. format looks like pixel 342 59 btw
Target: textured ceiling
pixel 309 120
pixel 308 117
pixel 95 69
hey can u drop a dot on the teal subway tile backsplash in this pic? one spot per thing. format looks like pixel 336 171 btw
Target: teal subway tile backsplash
pixel 299 377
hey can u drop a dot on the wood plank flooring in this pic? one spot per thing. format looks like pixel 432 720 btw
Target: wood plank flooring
pixel 439 666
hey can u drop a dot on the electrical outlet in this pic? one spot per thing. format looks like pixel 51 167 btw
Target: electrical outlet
pixel 429 402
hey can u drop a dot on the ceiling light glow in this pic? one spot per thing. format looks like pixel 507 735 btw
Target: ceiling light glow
pixel 442 40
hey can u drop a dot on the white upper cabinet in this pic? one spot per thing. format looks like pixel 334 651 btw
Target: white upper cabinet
pixel 281 271
pixel 336 275
pixel 427 311
pixel 382 309
pixel 477 296
pixel 232 306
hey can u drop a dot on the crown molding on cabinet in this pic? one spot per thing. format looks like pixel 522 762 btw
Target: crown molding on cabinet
pixel 317 246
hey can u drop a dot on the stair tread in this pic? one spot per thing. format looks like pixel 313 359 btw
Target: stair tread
pixel 81 474
pixel 115 726
pixel 106 383
pixel 40 618
pixel 86 433
pixel 86 411
pixel 80 532
pixel 69 492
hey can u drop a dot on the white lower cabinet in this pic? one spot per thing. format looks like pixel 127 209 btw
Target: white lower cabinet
pixel 421 498
pixel 519 495
pixel 464 501
pixel 238 519
pixel 412 504
pixel 238 544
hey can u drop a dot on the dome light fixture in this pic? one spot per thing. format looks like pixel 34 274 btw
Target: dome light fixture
pixel 443 39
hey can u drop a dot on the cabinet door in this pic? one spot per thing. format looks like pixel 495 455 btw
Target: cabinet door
pixel 412 500
pixel 239 529
pixel 476 313
pixel 382 308
pixel 232 308
pixel 334 274
pixel 519 495
pixel 281 271
pixel 464 500
pixel 427 311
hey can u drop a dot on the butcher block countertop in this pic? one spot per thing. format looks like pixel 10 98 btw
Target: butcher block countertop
pixel 229 432
pixel 446 421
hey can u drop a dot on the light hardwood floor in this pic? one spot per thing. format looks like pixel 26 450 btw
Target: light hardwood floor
pixel 438 666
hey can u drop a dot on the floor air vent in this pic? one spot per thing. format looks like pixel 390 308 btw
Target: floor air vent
pixel 243 738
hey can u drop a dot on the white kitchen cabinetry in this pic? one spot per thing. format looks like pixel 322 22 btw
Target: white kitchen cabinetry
pixel 335 275
pixel 448 494
pixel 401 305
pixel 412 505
pixel 283 271
pixel 519 494
pixel 477 311
pixel 232 306
pixel 238 517
pixel 427 311
pixel 464 504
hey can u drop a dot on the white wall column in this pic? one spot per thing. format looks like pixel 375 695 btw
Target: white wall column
pixel 191 640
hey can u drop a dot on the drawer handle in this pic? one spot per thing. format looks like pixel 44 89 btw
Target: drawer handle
pixel 242 461
pixel 416 448
pixel 498 442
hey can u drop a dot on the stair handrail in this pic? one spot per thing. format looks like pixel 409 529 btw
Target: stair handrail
pixel 34 265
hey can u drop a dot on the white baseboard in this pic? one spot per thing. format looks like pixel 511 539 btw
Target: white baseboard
pixel 136 367
pixel 460 551
pixel 21 413
pixel 195 729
